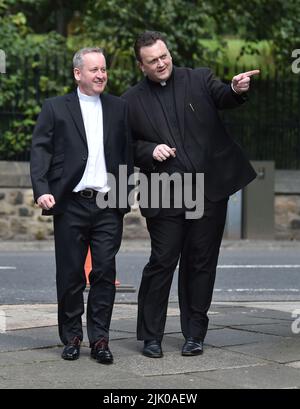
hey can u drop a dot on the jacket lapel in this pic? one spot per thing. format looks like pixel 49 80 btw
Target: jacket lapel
pixel 154 112
pixel 73 106
pixel 147 101
pixel 179 91
pixel 106 111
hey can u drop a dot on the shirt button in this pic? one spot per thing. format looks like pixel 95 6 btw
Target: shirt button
pixel 84 158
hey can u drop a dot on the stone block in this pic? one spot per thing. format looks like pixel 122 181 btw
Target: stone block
pixel 7 209
pixel 14 174
pixel 19 226
pixel 40 235
pixel 28 198
pixel 43 219
pixel 135 225
pixel 132 220
pixel 295 224
pixel 284 204
pixel 25 212
pixel 4 229
pixel 15 197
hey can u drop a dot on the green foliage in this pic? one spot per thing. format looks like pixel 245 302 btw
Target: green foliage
pixel 44 16
pixel 260 34
pixel 23 87
pixel 115 24
pixel 274 20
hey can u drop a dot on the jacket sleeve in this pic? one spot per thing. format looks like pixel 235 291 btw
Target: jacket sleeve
pixel 222 94
pixel 42 151
pixel 143 151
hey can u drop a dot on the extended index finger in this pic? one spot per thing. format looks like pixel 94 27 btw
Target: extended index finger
pixel 250 73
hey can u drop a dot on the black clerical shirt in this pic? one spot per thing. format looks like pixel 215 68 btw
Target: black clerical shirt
pixel 166 97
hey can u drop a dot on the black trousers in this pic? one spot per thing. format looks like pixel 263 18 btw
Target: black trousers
pixel 82 225
pixel 196 242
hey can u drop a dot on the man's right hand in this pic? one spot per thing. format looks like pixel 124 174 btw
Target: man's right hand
pixel 163 152
pixel 46 202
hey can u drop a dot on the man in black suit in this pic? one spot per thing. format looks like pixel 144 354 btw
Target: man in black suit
pixel 81 139
pixel 176 129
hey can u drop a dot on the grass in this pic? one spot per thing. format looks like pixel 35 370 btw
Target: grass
pixel 230 54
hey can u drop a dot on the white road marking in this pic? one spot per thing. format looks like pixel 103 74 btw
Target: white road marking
pixel 259 266
pixel 229 266
pixel 7 268
pixel 257 290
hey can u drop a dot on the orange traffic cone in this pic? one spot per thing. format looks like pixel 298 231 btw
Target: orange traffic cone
pixel 88 268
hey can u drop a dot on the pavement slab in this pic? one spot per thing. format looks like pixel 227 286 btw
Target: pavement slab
pixel 248 346
pixel 281 350
pixel 282 329
pixel 270 376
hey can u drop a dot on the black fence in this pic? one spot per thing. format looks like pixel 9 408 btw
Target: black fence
pixel 267 126
pixel 27 82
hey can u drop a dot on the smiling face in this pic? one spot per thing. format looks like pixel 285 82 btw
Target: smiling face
pixel 91 76
pixel 156 61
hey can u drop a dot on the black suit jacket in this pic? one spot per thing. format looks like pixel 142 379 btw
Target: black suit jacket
pixel 59 150
pixel 198 96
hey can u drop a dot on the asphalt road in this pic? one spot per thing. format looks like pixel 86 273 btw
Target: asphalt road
pixel 244 274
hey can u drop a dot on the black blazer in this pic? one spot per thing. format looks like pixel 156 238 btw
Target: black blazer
pixel 59 150
pixel 198 96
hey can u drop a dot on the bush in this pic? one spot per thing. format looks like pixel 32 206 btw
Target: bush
pixel 32 74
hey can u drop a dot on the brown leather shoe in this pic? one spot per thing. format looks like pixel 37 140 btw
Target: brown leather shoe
pixel 71 351
pixel 101 352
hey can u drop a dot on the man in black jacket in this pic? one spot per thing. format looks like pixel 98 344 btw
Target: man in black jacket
pixel 176 129
pixel 81 139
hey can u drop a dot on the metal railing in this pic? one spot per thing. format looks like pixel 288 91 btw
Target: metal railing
pixel 267 126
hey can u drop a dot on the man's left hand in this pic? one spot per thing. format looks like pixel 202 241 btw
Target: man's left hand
pixel 241 82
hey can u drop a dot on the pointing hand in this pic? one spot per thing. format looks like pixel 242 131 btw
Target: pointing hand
pixel 241 82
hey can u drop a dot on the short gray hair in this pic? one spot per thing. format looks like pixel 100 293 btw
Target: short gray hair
pixel 78 60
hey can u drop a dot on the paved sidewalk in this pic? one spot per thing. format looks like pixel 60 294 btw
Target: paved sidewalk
pixel 249 345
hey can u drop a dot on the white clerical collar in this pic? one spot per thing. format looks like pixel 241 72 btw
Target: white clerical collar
pixel 163 83
pixel 88 98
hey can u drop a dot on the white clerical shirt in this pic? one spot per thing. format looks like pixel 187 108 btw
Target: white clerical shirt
pixel 95 174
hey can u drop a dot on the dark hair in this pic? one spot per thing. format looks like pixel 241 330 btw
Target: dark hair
pixel 146 39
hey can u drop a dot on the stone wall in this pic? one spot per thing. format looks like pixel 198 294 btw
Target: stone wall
pixel 287 217
pixel 287 204
pixel 20 219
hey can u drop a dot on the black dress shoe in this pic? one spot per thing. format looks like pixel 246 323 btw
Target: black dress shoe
pixel 152 349
pixel 192 346
pixel 71 351
pixel 101 352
